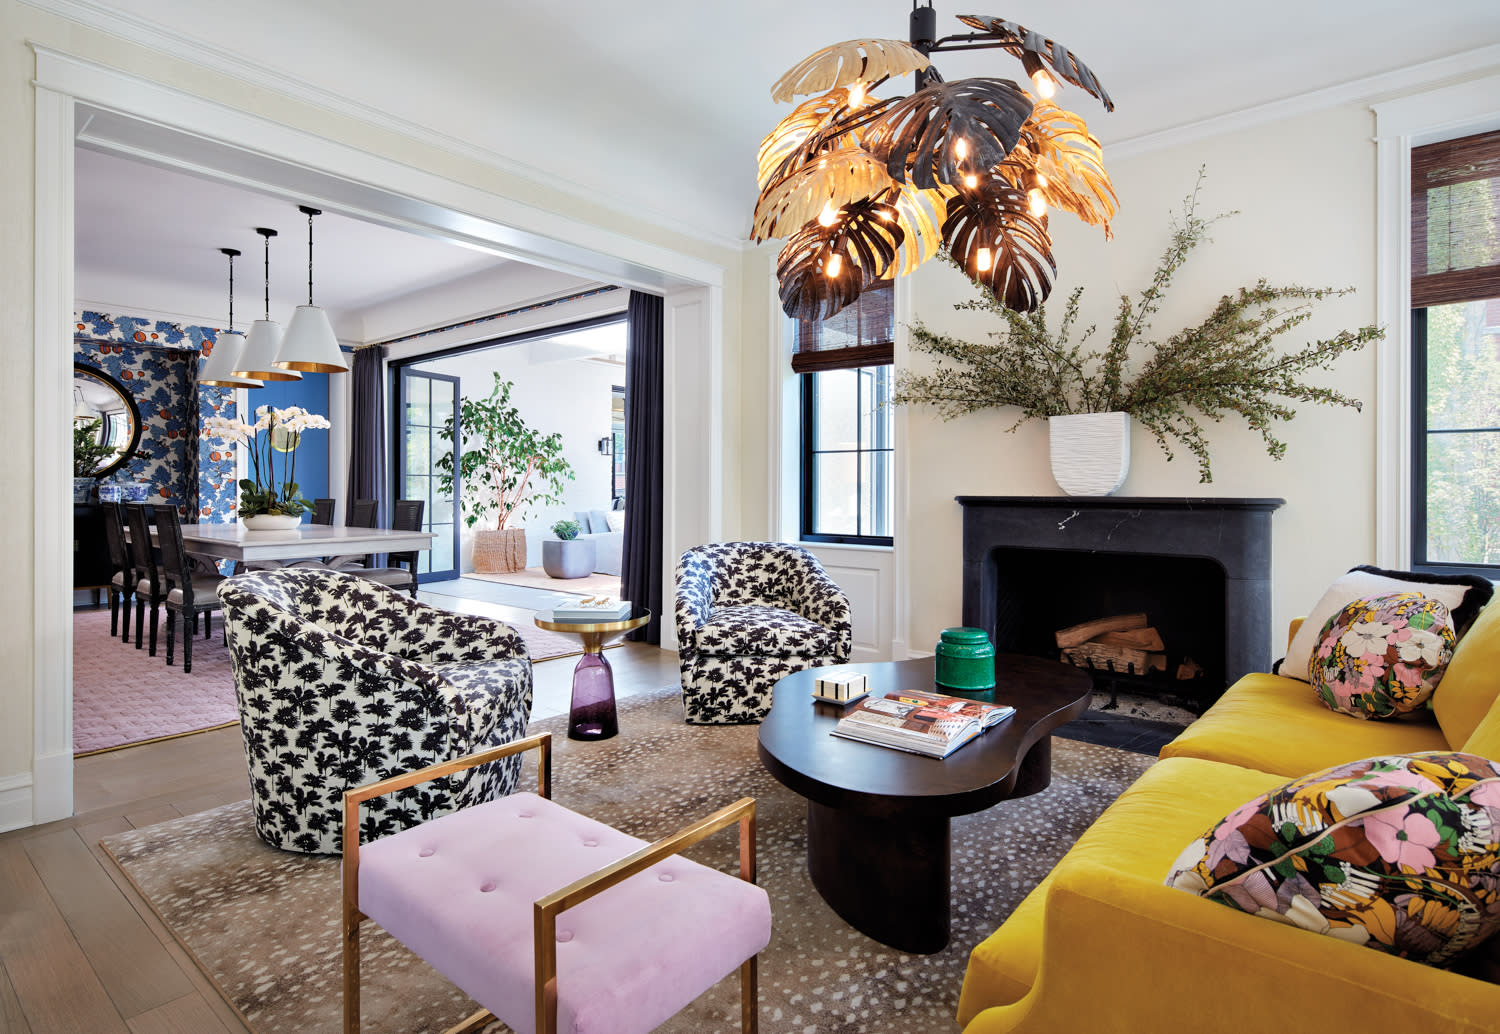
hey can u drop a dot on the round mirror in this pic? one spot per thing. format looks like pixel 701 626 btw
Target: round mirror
pixel 106 423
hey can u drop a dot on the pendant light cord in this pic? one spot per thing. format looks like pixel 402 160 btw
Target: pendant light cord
pixel 231 252
pixel 268 277
pixel 309 258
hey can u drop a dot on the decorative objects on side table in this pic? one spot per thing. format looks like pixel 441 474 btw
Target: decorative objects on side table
pixel 567 556
pixel 869 188
pixel 1222 365
pixel 264 493
pixel 591 712
pixel 503 455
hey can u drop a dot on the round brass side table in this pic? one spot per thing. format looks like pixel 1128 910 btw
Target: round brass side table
pixel 591 714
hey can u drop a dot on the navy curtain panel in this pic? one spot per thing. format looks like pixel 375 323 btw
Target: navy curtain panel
pixel 641 565
pixel 367 430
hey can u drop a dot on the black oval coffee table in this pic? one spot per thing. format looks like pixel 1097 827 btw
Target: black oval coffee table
pixel 878 818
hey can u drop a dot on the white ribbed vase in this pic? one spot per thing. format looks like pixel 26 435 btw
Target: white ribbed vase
pixel 1090 452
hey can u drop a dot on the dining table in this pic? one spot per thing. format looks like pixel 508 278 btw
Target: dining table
pixel 305 542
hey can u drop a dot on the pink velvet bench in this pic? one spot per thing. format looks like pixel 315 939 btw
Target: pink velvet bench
pixel 506 900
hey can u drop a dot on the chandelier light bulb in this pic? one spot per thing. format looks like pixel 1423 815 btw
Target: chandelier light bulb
pixel 1038 203
pixel 834 266
pixel 856 95
pixel 829 215
pixel 1046 86
pixel 982 260
pixel 960 148
pixel 1041 181
pixel 971 181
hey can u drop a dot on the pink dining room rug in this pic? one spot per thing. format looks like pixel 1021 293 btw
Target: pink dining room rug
pixel 123 697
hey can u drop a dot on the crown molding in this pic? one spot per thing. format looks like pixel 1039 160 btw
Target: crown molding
pixel 1355 91
pixel 222 61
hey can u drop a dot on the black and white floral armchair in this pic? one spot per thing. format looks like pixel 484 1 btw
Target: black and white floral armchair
pixel 342 682
pixel 749 613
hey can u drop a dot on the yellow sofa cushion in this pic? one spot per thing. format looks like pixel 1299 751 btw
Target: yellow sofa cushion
pixel 1275 724
pixel 1142 833
pixel 1472 681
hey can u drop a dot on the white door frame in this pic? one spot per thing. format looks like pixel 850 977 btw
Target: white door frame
pixel 146 120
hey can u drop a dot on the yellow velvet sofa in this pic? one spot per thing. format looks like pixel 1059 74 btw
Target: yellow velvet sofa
pixel 1103 945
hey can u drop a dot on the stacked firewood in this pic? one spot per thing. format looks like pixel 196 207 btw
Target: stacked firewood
pixel 1121 643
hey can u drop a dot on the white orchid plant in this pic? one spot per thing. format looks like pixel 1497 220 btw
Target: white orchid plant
pixel 263 492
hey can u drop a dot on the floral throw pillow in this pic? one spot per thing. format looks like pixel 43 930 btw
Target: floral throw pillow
pixel 1401 854
pixel 1382 656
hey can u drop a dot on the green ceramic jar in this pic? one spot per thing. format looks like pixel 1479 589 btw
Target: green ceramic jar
pixel 965 661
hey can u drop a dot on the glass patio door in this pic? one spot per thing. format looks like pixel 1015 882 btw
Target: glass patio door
pixel 426 402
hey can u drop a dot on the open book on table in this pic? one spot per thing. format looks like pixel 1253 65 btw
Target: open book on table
pixel 920 721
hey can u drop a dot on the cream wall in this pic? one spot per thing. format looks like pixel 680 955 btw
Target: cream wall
pixel 1305 192
pixel 18 409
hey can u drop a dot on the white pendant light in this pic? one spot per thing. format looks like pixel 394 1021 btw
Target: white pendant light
pixel 218 368
pixel 309 344
pixel 264 342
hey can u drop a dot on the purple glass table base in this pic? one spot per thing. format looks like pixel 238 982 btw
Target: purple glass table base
pixel 591 716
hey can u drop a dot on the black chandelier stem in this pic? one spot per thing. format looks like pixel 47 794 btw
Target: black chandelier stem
pixel 231 252
pixel 309 212
pixel 267 234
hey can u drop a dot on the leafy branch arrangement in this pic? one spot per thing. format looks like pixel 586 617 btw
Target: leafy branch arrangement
pixel 506 454
pixel 1224 364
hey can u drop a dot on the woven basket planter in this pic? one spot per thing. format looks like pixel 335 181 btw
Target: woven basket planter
pixel 498 552
pixel 1090 452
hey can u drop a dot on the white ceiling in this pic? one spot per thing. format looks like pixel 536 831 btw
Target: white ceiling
pixel 660 106
pixel 148 239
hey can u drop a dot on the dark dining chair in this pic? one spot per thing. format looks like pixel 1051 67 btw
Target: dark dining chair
pixel 362 514
pixel 408 517
pixel 150 587
pixel 122 567
pixel 190 591
pixel 322 511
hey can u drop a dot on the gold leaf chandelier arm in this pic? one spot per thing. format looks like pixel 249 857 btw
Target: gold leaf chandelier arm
pixel 1022 42
pixel 832 180
pixel 1058 145
pixel 848 62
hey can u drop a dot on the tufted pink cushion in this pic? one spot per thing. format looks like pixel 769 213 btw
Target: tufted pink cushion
pixel 458 890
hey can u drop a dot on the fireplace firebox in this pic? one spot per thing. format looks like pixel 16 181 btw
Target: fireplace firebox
pixel 1199 568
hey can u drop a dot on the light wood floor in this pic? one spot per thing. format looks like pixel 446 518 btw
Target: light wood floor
pixel 81 953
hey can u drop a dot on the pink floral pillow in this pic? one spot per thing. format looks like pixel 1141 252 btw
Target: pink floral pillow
pixel 1401 854
pixel 1382 656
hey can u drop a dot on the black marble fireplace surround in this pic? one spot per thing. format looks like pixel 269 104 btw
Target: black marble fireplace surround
pixel 1199 568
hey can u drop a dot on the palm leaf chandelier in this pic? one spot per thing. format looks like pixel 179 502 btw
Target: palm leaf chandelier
pixel 868 188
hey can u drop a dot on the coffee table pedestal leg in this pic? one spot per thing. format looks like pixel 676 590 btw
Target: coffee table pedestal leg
pixel 591 715
pixel 887 878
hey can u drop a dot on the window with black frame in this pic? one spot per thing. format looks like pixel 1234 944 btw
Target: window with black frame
pixel 848 459
pixel 1455 297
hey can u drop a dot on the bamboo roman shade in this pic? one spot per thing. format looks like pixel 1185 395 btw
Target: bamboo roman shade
pixel 862 333
pixel 1455 221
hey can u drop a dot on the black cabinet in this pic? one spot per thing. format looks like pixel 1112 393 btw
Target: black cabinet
pixel 90 549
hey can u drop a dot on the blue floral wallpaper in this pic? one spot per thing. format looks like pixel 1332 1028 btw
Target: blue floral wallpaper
pixel 158 362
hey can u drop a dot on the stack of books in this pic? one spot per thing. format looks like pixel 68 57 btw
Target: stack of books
pixel 920 722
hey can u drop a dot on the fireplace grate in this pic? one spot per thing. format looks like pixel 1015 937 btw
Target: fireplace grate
pixel 1168 688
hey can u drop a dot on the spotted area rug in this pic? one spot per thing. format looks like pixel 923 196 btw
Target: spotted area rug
pixel 123 696
pixel 264 924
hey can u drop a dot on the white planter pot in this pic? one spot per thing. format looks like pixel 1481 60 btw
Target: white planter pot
pixel 1090 452
pixel 271 522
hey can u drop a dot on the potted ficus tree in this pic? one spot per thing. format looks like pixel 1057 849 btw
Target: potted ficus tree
pixel 505 466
